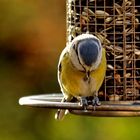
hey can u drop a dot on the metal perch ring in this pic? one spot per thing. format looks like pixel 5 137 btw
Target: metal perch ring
pixel 107 108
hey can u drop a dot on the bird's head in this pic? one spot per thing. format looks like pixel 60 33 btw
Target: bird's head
pixel 85 52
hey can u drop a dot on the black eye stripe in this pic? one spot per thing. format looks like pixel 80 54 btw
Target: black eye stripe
pixel 76 51
pixel 74 47
pixel 60 67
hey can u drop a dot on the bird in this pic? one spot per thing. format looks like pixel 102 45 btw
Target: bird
pixel 81 70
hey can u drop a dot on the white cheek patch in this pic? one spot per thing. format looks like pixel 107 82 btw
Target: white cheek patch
pixel 75 60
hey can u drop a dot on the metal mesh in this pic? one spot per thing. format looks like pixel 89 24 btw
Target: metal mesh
pixel 116 24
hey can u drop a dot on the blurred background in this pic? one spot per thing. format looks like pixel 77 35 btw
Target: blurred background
pixel 32 36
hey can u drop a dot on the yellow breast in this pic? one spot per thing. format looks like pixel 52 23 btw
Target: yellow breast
pixel 72 81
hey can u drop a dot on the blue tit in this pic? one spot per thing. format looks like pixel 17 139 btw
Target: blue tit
pixel 81 70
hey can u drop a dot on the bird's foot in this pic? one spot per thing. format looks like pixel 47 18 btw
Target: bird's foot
pixel 84 102
pixel 96 102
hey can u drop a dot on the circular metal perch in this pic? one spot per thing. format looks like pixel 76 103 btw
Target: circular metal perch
pixel 107 108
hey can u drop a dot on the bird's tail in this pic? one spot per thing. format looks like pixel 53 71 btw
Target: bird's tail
pixel 59 115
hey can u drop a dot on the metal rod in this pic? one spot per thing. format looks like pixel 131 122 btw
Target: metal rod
pixel 77 106
pixel 56 97
pixel 106 113
pixel 54 101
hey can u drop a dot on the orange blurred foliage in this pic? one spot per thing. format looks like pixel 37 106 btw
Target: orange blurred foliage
pixel 32 35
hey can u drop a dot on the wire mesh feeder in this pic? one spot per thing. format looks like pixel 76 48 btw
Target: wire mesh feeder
pixel 116 24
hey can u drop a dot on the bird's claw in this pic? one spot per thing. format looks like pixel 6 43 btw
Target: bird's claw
pixel 95 101
pixel 84 102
